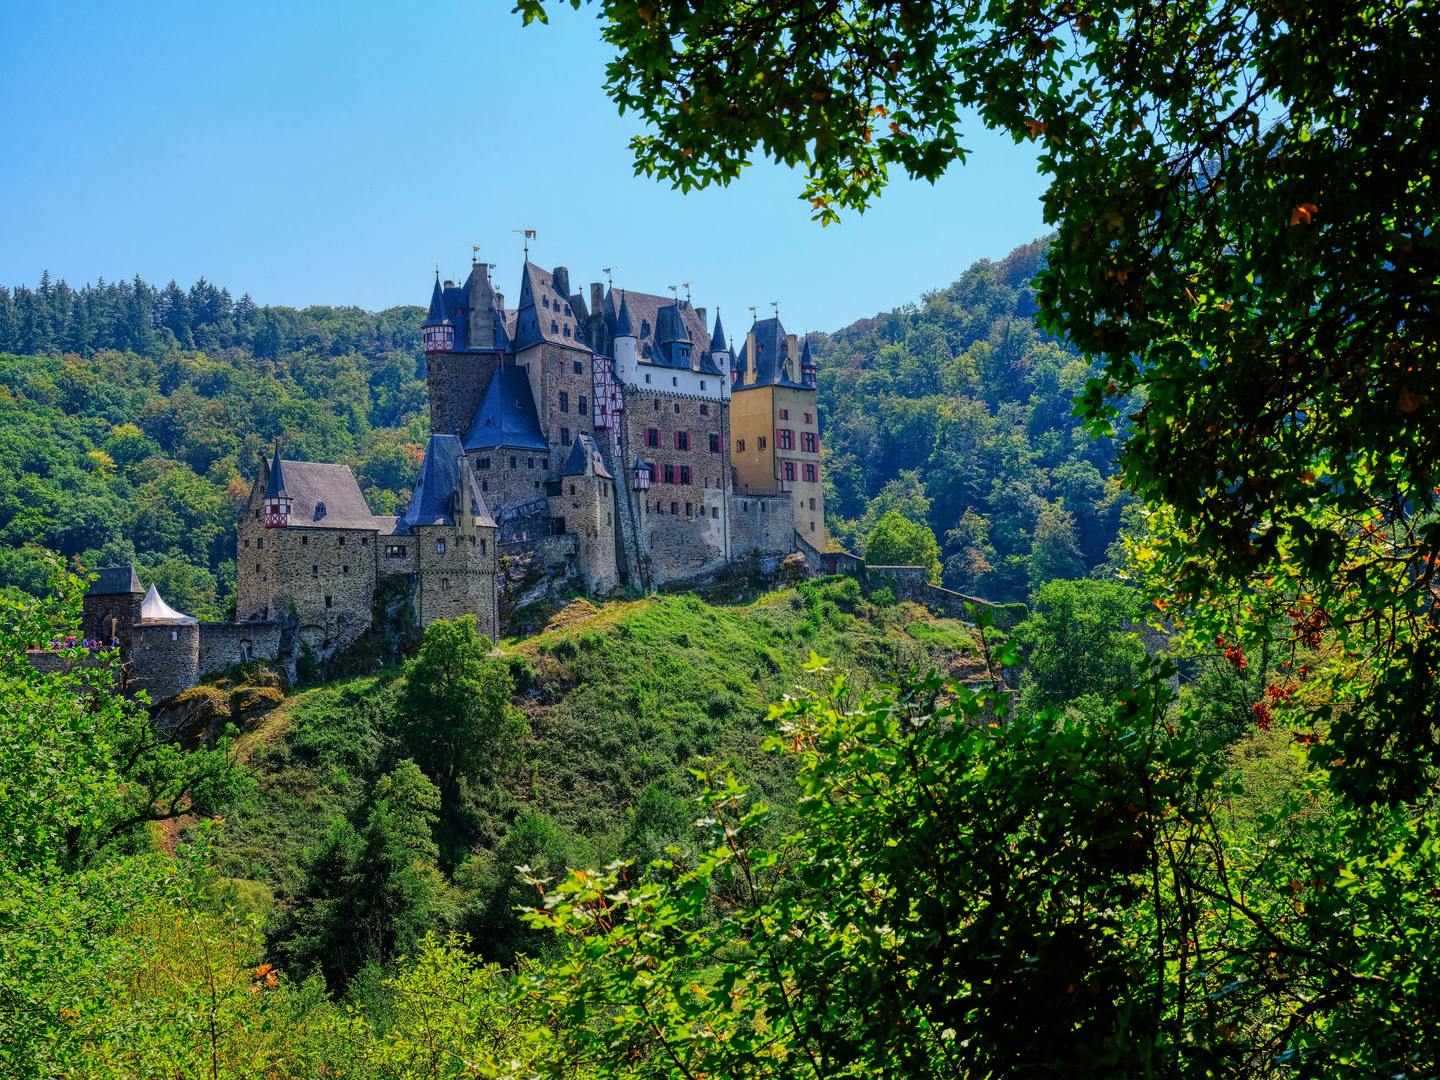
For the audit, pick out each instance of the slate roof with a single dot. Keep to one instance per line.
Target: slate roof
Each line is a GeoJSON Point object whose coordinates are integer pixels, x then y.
{"type": "Point", "coordinates": [325, 497]}
{"type": "Point", "coordinates": [645, 318]}
{"type": "Point", "coordinates": [717, 339]}
{"type": "Point", "coordinates": [436, 315]}
{"type": "Point", "coordinates": [545, 314]}
{"type": "Point", "coordinates": [275, 486]}
{"type": "Point", "coordinates": [451, 303]}
{"type": "Point", "coordinates": [584, 447]}
{"type": "Point", "coordinates": [507, 416]}
{"type": "Point", "coordinates": [115, 579]}
{"type": "Point", "coordinates": [385, 525]}
{"type": "Point", "coordinates": [770, 345]}
{"type": "Point", "coordinates": [436, 491]}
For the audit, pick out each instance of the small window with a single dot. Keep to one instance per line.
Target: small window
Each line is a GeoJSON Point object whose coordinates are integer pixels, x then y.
{"type": "Point", "coordinates": [674, 380]}
{"type": "Point", "coordinates": [789, 470]}
{"type": "Point", "coordinates": [512, 461]}
{"type": "Point", "coordinates": [564, 401]}
{"type": "Point", "coordinates": [704, 409]}
{"type": "Point", "coordinates": [344, 569]}
{"type": "Point", "coordinates": [714, 443]}
{"type": "Point", "coordinates": [646, 353]}
{"type": "Point", "coordinates": [784, 414]}
{"type": "Point", "coordinates": [259, 543]}
{"type": "Point", "coordinates": [257, 568]}
{"type": "Point", "coordinates": [677, 408]}
{"type": "Point", "coordinates": [314, 571]}
{"type": "Point", "coordinates": [567, 329]}
{"type": "Point", "coordinates": [342, 541]}
{"type": "Point", "coordinates": [702, 387]}
{"type": "Point", "coordinates": [174, 635]}
{"type": "Point", "coordinates": [760, 443]}
{"type": "Point", "coordinates": [484, 463]}
{"type": "Point", "coordinates": [482, 547]}
{"type": "Point", "coordinates": [572, 489]}
{"type": "Point", "coordinates": [444, 583]}
{"type": "Point", "coordinates": [647, 379]}
{"type": "Point", "coordinates": [810, 477]}
{"type": "Point", "coordinates": [564, 436]}
{"type": "Point", "coordinates": [484, 485]}
{"type": "Point", "coordinates": [809, 419]}
{"type": "Point", "coordinates": [364, 541]}
{"type": "Point", "coordinates": [669, 474]}
{"type": "Point", "coordinates": [674, 508]}
{"type": "Point", "coordinates": [812, 526]}
{"type": "Point", "coordinates": [395, 551]}
{"type": "Point", "coordinates": [545, 302]}
{"type": "Point", "coordinates": [689, 510]}
{"type": "Point", "coordinates": [257, 515]}
{"type": "Point", "coordinates": [247, 543]}
{"type": "Point", "coordinates": [581, 405]}
{"type": "Point", "coordinates": [530, 463]}
{"type": "Point", "coordinates": [714, 511]}
{"type": "Point", "coordinates": [644, 327]}
{"type": "Point", "coordinates": [740, 445]}
{"type": "Point", "coordinates": [657, 404]}
{"type": "Point", "coordinates": [812, 504]}
{"type": "Point", "coordinates": [684, 474]}
{"type": "Point", "coordinates": [439, 547]}
{"type": "Point", "coordinates": [304, 541]}
{"type": "Point", "coordinates": [578, 369]}
{"type": "Point", "coordinates": [682, 440]}
{"type": "Point", "coordinates": [329, 601]}
{"type": "Point", "coordinates": [652, 436]}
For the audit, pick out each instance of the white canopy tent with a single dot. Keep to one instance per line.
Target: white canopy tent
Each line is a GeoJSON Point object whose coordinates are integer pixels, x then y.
{"type": "Point", "coordinates": [154, 609]}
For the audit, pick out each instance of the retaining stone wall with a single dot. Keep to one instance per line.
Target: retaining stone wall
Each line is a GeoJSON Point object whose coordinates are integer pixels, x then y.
{"type": "Point", "coordinates": [228, 643]}
{"type": "Point", "coordinates": [763, 523]}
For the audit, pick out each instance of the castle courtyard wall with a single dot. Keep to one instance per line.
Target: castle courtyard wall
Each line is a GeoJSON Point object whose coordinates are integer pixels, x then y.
{"type": "Point", "coordinates": [224, 644]}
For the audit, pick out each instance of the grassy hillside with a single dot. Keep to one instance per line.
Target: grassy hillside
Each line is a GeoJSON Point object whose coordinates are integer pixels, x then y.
{"type": "Point", "coordinates": [619, 701]}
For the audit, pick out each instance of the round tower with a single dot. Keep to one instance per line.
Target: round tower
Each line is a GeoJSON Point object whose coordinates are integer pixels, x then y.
{"type": "Point", "coordinates": [439, 331]}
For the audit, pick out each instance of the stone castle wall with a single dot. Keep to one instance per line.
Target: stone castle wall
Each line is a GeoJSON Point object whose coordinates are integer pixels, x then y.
{"type": "Point", "coordinates": [457, 382]}
{"type": "Point", "coordinates": [552, 371]}
{"type": "Point", "coordinates": [458, 580]}
{"type": "Point", "coordinates": [225, 644]}
{"type": "Point", "coordinates": [164, 659]}
{"type": "Point", "coordinates": [325, 576]}
{"type": "Point", "coordinates": [513, 477]}
{"type": "Point", "coordinates": [763, 523]}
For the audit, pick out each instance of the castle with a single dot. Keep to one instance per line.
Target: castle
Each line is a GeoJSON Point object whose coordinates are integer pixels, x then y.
{"type": "Point", "coordinates": [621, 441]}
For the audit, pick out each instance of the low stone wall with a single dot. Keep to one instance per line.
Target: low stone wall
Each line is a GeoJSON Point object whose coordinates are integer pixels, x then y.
{"type": "Point", "coordinates": [51, 662]}
{"type": "Point", "coordinates": [763, 523]}
{"type": "Point", "coordinates": [912, 583]}
{"type": "Point", "coordinates": [225, 644]}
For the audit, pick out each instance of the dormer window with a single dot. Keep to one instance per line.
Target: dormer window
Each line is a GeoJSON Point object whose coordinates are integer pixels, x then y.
{"type": "Point", "coordinates": [645, 351]}
{"type": "Point", "coordinates": [553, 328]}
{"type": "Point", "coordinates": [645, 328]}
{"type": "Point", "coordinates": [567, 329]}
{"type": "Point", "coordinates": [545, 301]}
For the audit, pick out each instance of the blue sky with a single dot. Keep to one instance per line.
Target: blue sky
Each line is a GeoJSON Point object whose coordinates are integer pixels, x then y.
{"type": "Point", "coordinates": [335, 152]}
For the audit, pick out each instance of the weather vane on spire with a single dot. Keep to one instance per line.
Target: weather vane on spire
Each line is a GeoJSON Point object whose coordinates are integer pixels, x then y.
{"type": "Point", "coordinates": [529, 235]}
{"type": "Point", "coordinates": [607, 271]}
{"type": "Point", "coordinates": [687, 285]}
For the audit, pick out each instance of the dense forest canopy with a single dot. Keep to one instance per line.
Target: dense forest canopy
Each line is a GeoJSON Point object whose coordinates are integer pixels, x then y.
{"type": "Point", "coordinates": [132, 418]}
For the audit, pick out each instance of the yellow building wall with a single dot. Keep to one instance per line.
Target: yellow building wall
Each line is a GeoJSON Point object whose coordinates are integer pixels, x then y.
{"type": "Point", "coordinates": [752, 413]}
{"type": "Point", "coordinates": [755, 414]}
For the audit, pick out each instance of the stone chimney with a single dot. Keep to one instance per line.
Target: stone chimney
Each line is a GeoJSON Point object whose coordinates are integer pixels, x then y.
{"type": "Point", "coordinates": [597, 319]}
{"type": "Point", "coordinates": [751, 360]}
{"type": "Point", "coordinates": [561, 277]}
{"type": "Point", "coordinates": [792, 357]}
{"type": "Point", "coordinates": [703, 321]}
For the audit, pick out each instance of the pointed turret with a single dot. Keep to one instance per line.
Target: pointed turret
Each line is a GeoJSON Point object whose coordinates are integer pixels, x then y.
{"type": "Point", "coordinates": [717, 339]}
{"type": "Point", "coordinates": [439, 331]}
{"type": "Point", "coordinates": [807, 364]}
{"type": "Point", "coordinates": [277, 499]}
{"type": "Point", "coordinates": [622, 322]}
{"type": "Point", "coordinates": [626, 345]}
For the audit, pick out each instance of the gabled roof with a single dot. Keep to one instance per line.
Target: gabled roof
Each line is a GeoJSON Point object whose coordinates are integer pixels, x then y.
{"type": "Point", "coordinates": [115, 579]}
{"type": "Point", "coordinates": [436, 494]}
{"type": "Point", "coordinates": [323, 496]}
{"type": "Point", "coordinates": [585, 458]}
{"type": "Point", "coordinates": [645, 319]}
{"type": "Point", "coordinates": [507, 416]}
{"type": "Point", "coordinates": [771, 343]}
{"type": "Point", "coordinates": [717, 339]}
{"type": "Point", "coordinates": [537, 322]}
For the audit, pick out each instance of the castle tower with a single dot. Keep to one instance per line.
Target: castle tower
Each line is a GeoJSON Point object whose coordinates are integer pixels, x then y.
{"type": "Point", "coordinates": [626, 344]}
{"type": "Point", "coordinates": [277, 499]}
{"type": "Point", "coordinates": [587, 503]}
{"type": "Point", "coordinates": [438, 330]}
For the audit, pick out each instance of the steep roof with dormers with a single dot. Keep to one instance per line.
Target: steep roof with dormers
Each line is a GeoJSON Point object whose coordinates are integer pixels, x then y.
{"type": "Point", "coordinates": [645, 310]}
{"type": "Point", "coordinates": [507, 414]}
{"type": "Point", "coordinates": [437, 490]}
{"type": "Point", "coordinates": [771, 347]}
{"type": "Point", "coordinates": [545, 314]}
{"type": "Point", "coordinates": [322, 496]}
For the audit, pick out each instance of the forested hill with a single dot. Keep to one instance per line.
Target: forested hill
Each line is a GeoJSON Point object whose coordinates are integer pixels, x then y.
{"type": "Point", "coordinates": [131, 419]}
{"type": "Point", "coordinates": [957, 413]}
